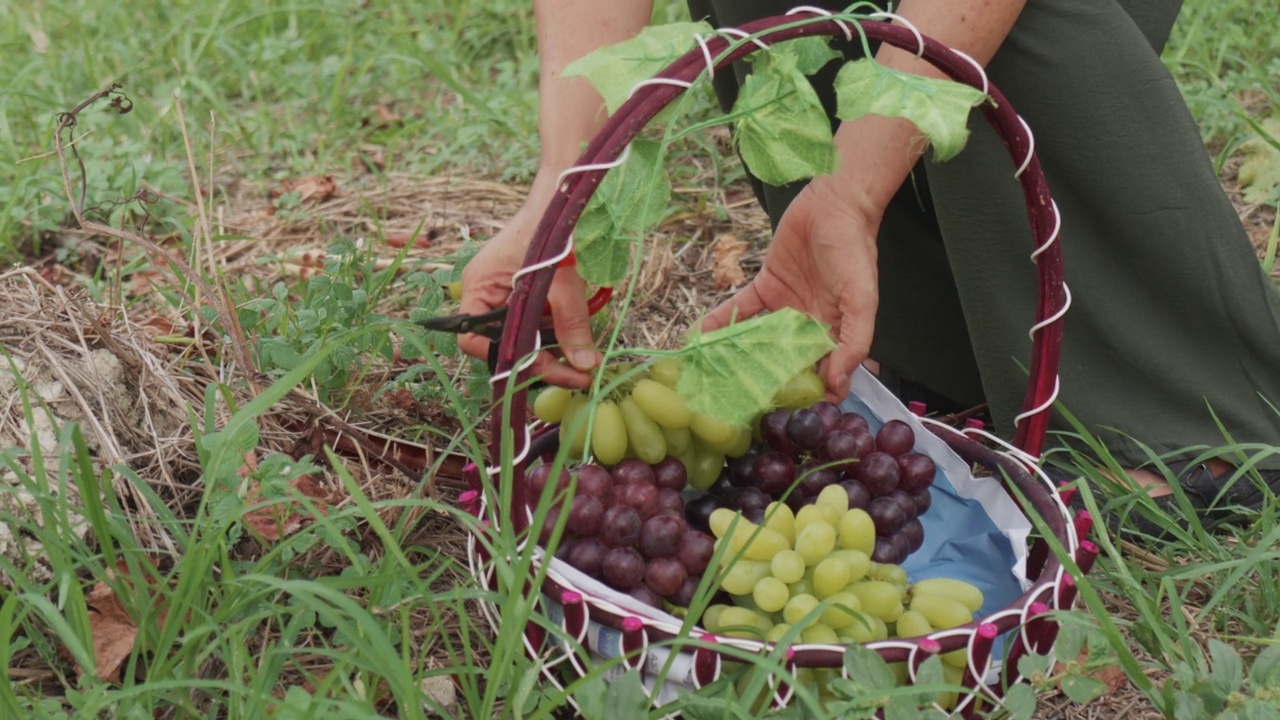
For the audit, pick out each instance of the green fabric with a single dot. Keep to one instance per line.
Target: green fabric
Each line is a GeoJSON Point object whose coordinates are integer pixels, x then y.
{"type": "Point", "coordinates": [1172, 316]}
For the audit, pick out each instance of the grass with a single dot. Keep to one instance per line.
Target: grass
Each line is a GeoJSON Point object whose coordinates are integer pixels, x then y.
{"type": "Point", "coordinates": [354, 613]}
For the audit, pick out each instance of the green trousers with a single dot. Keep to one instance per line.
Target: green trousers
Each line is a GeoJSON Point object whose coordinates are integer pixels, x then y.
{"type": "Point", "coordinates": [1174, 328]}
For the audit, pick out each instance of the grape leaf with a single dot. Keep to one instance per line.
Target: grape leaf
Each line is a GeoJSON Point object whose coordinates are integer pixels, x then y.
{"type": "Point", "coordinates": [734, 372]}
{"type": "Point", "coordinates": [939, 108]}
{"type": "Point", "coordinates": [630, 201]}
{"type": "Point", "coordinates": [1259, 174]}
{"type": "Point", "coordinates": [615, 70]}
{"type": "Point", "coordinates": [783, 133]}
{"type": "Point", "coordinates": [810, 54]}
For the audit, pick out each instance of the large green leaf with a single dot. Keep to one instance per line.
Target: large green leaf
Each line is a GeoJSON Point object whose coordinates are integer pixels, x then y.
{"type": "Point", "coordinates": [783, 132]}
{"type": "Point", "coordinates": [940, 108]}
{"type": "Point", "coordinates": [616, 69]}
{"type": "Point", "coordinates": [733, 373]}
{"type": "Point", "coordinates": [631, 201]}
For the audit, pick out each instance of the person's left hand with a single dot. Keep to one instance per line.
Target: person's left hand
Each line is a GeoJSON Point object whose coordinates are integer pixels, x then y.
{"type": "Point", "coordinates": [822, 262]}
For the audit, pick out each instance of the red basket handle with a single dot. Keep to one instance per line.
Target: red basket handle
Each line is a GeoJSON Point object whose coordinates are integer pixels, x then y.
{"type": "Point", "coordinates": [552, 236]}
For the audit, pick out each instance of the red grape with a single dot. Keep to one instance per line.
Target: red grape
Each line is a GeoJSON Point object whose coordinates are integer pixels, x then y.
{"type": "Point", "coordinates": [670, 473]}
{"type": "Point", "coordinates": [631, 470]}
{"type": "Point", "coordinates": [641, 495]}
{"type": "Point", "coordinates": [746, 499]}
{"type": "Point", "coordinates": [886, 552]}
{"type": "Point", "coordinates": [853, 423]}
{"type": "Point", "coordinates": [564, 548]}
{"type": "Point", "coordinates": [723, 485]}
{"type": "Point", "coordinates": [623, 568]}
{"type": "Point", "coordinates": [839, 449]}
{"type": "Point", "coordinates": [549, 525]}
{"type": "Point", "coordinates": [773, 472]}
{"type": "Point", "coordinates": [908, 503]}
{"type": "Point", "coordinates": [585, 514]}
{"type": "Point", "coordinates": [913, 531]}
{"type": "Point", "coordinates": [895, 437]}
{"type": "Point", "coordinates": [915, 471]}
{"type": "Point", "coordinates": [805, 429]}
{"type": "Point", "coordinates": [858, 495]}
{"type": "Point", "coordinates": [886, 514]}
{"type": "Point", "coordinates": [670, 501]}
{"type": "Point", "coordinates": [695, 551]}
{"type": "Point", "coordinates": [660, 535]}
{"type": "Point", "coordinates": [741, 469]}
{"type": "Point", "coordinates": [620, 526]}
{"type": "Point", "coordinates": [665, 576]}
{"type": "Point", "coordinates": [595, 481]}
{"type": "Point", "coordinates": [924, 500]}
{"type": "Point", "coordinates": [684, 596]}
{"type": "Point", "coordinates": [697, 512]}
{"type": "Point", "coordinates": [879, 472]}
{"type": "Point", "coordinates": [828, 412]}
{"type": "Point", "coordinates": [754, 514]}
{"type": "Point", "coordinates": [812, 482]}
{"type": "Point", "coordinates": [642, 593]}
{"type": "Point", "coordinates": [588, 554]}
{"type": "Point", "coordinates": [773, 430]}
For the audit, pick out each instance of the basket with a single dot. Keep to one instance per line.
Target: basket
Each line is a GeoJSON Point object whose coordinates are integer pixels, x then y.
{"type": "Point", "coordinates": [605, 627]}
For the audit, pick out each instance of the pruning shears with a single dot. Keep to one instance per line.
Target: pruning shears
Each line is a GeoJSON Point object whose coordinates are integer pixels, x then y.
{"type": "Point", "coordinates": [490, 324]}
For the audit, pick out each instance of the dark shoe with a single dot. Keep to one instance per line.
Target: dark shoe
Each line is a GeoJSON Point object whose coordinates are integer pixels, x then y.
{"type": "Point", "coordinates": [1215, 503]}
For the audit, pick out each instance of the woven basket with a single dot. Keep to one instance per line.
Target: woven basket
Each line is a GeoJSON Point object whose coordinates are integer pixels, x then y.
{"type": "Point", "coordinates": [601, 621]}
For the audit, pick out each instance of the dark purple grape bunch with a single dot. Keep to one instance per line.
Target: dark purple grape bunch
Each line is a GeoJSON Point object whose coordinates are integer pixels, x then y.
{"type": "Point", "coordinates": [806, 450]}
{"type": "Point", "coordinates": [627, 528]}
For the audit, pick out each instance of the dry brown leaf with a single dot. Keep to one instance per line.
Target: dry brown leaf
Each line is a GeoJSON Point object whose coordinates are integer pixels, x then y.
{"type": "Point", "coordinates": [1112, 676]}
{"type": "Point", "coordinates": [113, 632]}
{"type": "Point", "coordinates": [727, 269]}
{"type": "Point", "coordinates": [311, 190]}
{"type": "Point", "coordinates": [282, 519]}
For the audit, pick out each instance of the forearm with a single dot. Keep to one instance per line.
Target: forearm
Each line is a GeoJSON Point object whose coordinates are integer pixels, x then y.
{"type": "Point", "coordinates": [877, 153]}
{"type": "Point", "coordinates": [569, 109]}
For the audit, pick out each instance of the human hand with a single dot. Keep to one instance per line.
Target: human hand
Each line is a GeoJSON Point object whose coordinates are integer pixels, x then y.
{"type": "Point", "coordinates": [486, 284]}
{"type": "Point", "coordinates": [822, 261]}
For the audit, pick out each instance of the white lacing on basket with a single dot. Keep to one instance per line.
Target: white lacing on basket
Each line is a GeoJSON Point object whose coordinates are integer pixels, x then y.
{"type": "Point", "coordinates": [894, 17]}
{"type": "Point", "coordinates": [848, 31]}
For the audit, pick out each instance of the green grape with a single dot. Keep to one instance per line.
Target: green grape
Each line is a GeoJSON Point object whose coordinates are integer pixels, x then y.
{"type": "Point", "coordinates": [942, 612]}
{"type": "Point", "coordinates": [746, 601]}
{"type": "Point", "coordinates": [819, 633]}
{"type": "Point", "coordinates": [803, 586]}
{"type": "Point", "coordinates": [679, 442]}
{"type": "Point", "coordinates": [808, 515]}
{"type": "Point", "coordinates": [742, 576]}
{"type": "Point", "coordinates": [863, 628]}
{"type": "Point", "coordinates": [721, 519]}
{"type": "Point", "coordinates": [833, 501]}
{"type": "Point", "coordinates": [800, 391]}
{"type": "Point", "coordinates": [642, 432]}
{"type": "Point", "coordinates": [912, 624]}
{"type": "Point", "coordinates": [798, 608]}
{"type": "Point", "coordinates": [573, 426]}
{"type": "Point", "coordinates": [770, 594]}
{"type": "Point", "coordinates": [843, 610]}
{"type": "Point", "coordinates": [858, 562]}
{"type": "Point", "coordinates": [901, 675]}
{"type": "Point", "coordinates": [857, 531]}
{"type": "Point", "coordinates": [967, 594]}
{"type": "Point", "coordinates": [888, 572]}
{"type": "Point", "coordinates": [713, 432]}
{"type": "Point", "coordinates": [609, 436]}
{"type": "Point", "coordinates": [779, 518]}
{"type": "Point", "coordinates": [753, 541]}
{"type": "Point", "coordinates": [666, 372]}
{"type": "Point", "coordinates": [879, 598]}
{"type": "Point", "coordinates": [880, 630]}
{"type": "Point", "coordinates": [742, 622]}
{"type": "Point", "coordinates": [707, 464]}
{"type": "Point", "coordinates": [551, 403]}
{"type": "Point", "coordinates": [787, 566]}
{"type": "Point", "coordinates": [815, 542]}
{"type": "Point", "coordinates": [951, 675]}
{"type": "Point", "coordinates": [661, 403]}
{"type": "Point", "coordinates": [710, 616]}
{"type": "Point", "coordinates": [741, 443]}
{"type": "Point", "coordinates": [830, 576]}
{"type": "Point", "coordinates": [777, 632]}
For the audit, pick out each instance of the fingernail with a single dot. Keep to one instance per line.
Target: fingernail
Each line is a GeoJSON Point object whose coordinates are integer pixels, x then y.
{"type": "Point", "coordinates": [584, 359]}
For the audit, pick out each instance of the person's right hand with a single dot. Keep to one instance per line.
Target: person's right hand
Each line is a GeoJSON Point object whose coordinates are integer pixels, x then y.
{"type": "Point", "coordinates": [486, 284]}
